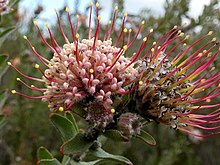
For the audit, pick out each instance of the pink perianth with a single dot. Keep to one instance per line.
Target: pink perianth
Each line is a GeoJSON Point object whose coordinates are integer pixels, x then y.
{"type": "Point", "coordinates": [43, 39]}
{"type": "Point", "coordinates": [61, 29]}
{"type": "Point", "coordinates": [113, 23]}
{"type": "Point", "coordinates": [31, 97]}
{"type": "Point", "coordinates": [71, 26]}
{"type": "Point", "coordinates": [41, 58]}
{"type": "Point", "coordinates": [90, 21]}
{"type": "Point", "coordinates": [32, 88]}
{"type": "Point", "coordinates": [24, 75]}
{"type": "Point", "coordinates": [54, 43]}
{"type": "Point", "coordinates": [198, 135]}
{"type": "Point", "coordinates": [122, 29]}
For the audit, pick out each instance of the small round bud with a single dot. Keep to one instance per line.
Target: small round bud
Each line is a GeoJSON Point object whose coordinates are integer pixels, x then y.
{"type": "Point", "coordinates": [129, 124]}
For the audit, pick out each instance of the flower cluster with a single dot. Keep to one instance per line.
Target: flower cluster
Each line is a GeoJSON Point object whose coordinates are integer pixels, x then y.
{"type": "Point", "coordinates": [171, 95]}
{"type": "Point", "coordinates": [162, 86]}
{"type": "Point", "coordinates": [85, 70]}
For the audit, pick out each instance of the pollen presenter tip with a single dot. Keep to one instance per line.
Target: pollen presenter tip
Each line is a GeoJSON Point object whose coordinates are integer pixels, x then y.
{"type": "Point", "coordinates": [61, 109]}
{"type": "Point", "coordinates": [13, 92]}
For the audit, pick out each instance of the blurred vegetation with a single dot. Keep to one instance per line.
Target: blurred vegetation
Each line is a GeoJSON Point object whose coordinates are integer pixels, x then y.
{"type": "Point", "coordinates": [27, 124]}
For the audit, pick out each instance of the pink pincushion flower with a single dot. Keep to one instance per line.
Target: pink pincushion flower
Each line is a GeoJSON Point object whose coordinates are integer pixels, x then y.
{"type": "Point", "coordinates": [75, 74]}
{"type": "Point", "coordinates": [90, 68]}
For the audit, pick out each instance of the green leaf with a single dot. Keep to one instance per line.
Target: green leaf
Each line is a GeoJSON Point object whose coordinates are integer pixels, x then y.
{"type": "Point", "coordinates": [115, 135]}
{"type": "Point", "coordinates": [64, 126]}
{"type": "Point", "coordinates": [144, 122]}
{"type": "Point", "coordinates": [43, 153]}
{"type": "Point", "coordinates": [46, 158]}
{"type": "Point", "coordinates": [3, 98]}
{"type": "Point", "coordinates": [96, 162]}
{"type": "Point", "coordinates": [70, 116]}
{"type": "Point", "coordinates": [4, 34]}
{"type": "Point", "coordinates": [66, 160]}
{"type": "Point", "coordinates": [49, 162]}
{"type": "Point", "coordinates": [6, 31]}
{"type": "Point", "coordinates": [2, 120]}
{"type": "Point", "coordinates": [3, 68]}
{"type": "Point", "coordinates": [3, 71]}
{"type": "Point", "coordinates": [77, 145]}
{"type": "Point", "coordinates": [3, 59]}
{"type": "Point", "coordinates": [146, 137]}
{"type": "Point", "coordinates": [1, 117]}
{"type": "Point", "coordinates": [100, 153]}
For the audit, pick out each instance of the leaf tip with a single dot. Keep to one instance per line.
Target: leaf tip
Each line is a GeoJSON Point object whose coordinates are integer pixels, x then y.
{"type": "Point", "coordinates": [41, 148]}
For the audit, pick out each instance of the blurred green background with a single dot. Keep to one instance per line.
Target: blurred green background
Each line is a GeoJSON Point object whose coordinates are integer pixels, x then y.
{"type": "Point", "coordinates": [27, 125]}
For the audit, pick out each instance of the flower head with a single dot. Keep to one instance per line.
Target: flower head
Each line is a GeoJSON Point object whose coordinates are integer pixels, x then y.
{"type": "Point", "coordinates": [90, 68]}
{"type": "Point", "coordinates": [175, 88]}
{"type": "Point", "coordinates": [84, 70]}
